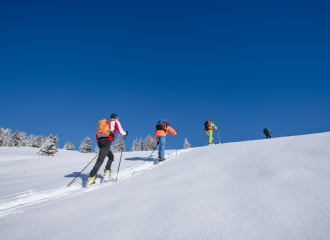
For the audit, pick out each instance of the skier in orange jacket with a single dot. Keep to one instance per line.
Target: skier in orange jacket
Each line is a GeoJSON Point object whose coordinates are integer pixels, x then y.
{"type": "Point", "coordinates": [162, 128]}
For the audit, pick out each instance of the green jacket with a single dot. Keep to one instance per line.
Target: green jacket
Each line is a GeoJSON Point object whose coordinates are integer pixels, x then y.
{"type": "Point", "coordinates": [212, 126]}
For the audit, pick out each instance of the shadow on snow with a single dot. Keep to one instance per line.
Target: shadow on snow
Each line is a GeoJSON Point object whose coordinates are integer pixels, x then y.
{"type": "Point", "coordinates": [140, 159]}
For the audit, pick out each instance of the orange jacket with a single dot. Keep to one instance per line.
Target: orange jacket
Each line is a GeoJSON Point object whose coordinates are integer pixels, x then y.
{"type": "Point", "coordinates": [163, 133]}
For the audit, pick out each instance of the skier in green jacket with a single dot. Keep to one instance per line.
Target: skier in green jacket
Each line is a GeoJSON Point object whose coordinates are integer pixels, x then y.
{"type": "Point", "coordinates": [208, 127]}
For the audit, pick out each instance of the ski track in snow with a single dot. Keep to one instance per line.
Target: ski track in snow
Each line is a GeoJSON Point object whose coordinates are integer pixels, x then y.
{"type": "Point", "coordinates": [16, 203]}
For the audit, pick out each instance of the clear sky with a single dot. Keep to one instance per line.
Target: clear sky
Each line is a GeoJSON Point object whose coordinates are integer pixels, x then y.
{"type": "Point", "coordinates": [246, 65]}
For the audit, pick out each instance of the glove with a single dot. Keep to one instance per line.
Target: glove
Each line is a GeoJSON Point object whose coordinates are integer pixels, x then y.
{"type": "Point", "coordinates": [176, 132]}
{"type": "Point", "coordinates": [126, 133]}
{"type": "Point", "coordinates": [157, 143]}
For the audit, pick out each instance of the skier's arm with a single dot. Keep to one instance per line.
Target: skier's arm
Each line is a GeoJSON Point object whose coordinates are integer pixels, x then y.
{"type": "Point", "coordinates": [171, 130]}
{"type": "Point", "coordinates": [120, 129]}
{"type": "Point", "coordinates": [213, 126]}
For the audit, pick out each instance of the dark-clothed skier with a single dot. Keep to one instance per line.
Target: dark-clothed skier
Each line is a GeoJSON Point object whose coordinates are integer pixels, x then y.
{"type": "Point", "coordinates": [267, 133]}
{"type": "Point", "coordinates": [105, 135]}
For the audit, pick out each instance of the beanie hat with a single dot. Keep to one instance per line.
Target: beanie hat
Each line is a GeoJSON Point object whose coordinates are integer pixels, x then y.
{"type": "Point", "coordinates": [114, 116]}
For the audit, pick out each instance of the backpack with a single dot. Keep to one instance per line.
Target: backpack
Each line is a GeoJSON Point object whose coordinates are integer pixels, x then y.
{"type": "Point", "coordinates": [207, 125]}
{"type": "Point", "coordinates": [161, 125]}
{"type": "Point", "coordinates": [103, 129]}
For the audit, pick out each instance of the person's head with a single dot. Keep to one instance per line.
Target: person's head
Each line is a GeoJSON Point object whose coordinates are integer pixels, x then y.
{"type": "Point", "coordinates": [114, 116]}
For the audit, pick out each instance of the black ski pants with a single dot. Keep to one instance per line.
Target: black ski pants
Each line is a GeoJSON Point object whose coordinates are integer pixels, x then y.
{"type": "Point", "coordinates": [104, 145]}
{"type": "Point", "coordinates": [268, 135]}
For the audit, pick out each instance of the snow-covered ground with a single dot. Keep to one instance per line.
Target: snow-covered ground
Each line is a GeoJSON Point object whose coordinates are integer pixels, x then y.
{"type": "Point", "coordinates": [265, 189]}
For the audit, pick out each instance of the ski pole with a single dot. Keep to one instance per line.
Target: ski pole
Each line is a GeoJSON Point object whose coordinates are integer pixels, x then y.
{"type": "Point", "coordinates": [151, 153]}
{"type": "Point", "coordinates": [121, 156]}
{"type": "Point", "coordinates": [82, 170]}
{"type": "Point", "coordinates": [218, 136]}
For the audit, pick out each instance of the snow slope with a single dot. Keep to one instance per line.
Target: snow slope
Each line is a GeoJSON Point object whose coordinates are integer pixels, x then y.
{"type": "Point", "coordinates": [264, 189]}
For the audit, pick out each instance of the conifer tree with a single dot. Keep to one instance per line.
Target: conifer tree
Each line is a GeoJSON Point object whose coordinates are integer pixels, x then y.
{"type": "Point", "coordinates": [22, 137]}
{"type": "Point", "coordinates": [112, 149]}
{"type": "Point", "coordinates": [140, 145]}
{"type": "Point", "coordinates": [149, 144]}
{"type": "Point", "coordinates": [7, 141]}
{"type": "Point", "coordinates": [153, 143]}
{"type": "Point", "coordinates": [38, 141]}
{"type": "Point", "coordinates": [71, 146]}
{"type": "Point", "coordinates": [30, 141]}
{"type": "Point", "coordinates": [67, 146]}
{"type": "Point", "coordinates": [86, 146]}
{"type": "Point", "coordinates": [49, 147]}
{"type": "Point", "coordinates": [186, 144]}
{"type": "Point", "coordinates": [97, 149]}
{"type": "Point", "coordinates": [1, 136]}
{"type": "Point", "coordinates": [134, 145]}
{"type": "Point", "coordinates": [56, 142]}
{"type": "Point", "coordinates": [15, 139]}
{"type": "Point", "coordinates": [119, 145]}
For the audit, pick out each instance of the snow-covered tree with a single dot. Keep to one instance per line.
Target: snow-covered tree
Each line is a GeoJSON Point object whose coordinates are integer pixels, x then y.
{"type": "Point", "coordinates": [140, 145]}
{"type": "Point", "coordinates": [97, 149]}
{"type": "Point", "coordinates": [112, 149]}
{"type": "Point", "coordinates": [134, 145]}
{"type": "Point", "coordinates": [119, 144]}
{"type": "Point", "coordinates": [30, 141]}
{"type": "Point", "coordinates": [1, 136]}
{"type": "Point", "coordinates": [149, 144]}
{"type": "Point", "coordinates": [153, 143]}
{"type": "Point", "coordinates": [7, 141]}
{"type": "Point", "coordinates": [22, 137]}
{"type": "Point", "coordinates": [15, 139]}
{"type": "Point", "coordinates": [67, 145]}
{"type": "Point", "coordinates": [86, 146]}
{"type": "Point", "coordinates": [38, 141]}
{"type": "Point", "coordinates": [56, 142]}
{"type": "Point", "coordinates": [49, 147]}
{"type": "Point", "coordinates": [186, 144]}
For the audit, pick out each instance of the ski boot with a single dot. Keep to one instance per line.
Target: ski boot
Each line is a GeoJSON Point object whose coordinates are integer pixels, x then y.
{"type": "Point", "coordinates": [107, 176]}
{"type": "Point", "coordinates": [90, 181]}
{"type": "Point", "coordinates": [160, 159]}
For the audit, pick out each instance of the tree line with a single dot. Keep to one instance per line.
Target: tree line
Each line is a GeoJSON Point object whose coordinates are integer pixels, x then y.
{"type": "Point", "coordinates": [49, 145]}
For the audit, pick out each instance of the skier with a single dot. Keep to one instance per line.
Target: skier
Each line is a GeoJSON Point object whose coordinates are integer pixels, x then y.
{"type": "Point", "coordinates": [267, 133]}
{"type": "Point", "coordinates": [162, 128]}
{"type": "Point", "coordinates": [208, 127]}
{"type": "Point", "coordinates": [105, 135]}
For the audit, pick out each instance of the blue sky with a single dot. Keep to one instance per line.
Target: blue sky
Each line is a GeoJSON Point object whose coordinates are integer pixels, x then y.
{"type": "Point", "coordinates": [244, 64]}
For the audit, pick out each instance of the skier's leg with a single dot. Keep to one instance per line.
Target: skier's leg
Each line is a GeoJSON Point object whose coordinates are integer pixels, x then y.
{"type": "Point", "coordinates": [161, 141]}
{"type": "Point", "coordinates": [104, 150]}
{"type": "Point", "coordinates": [209, 133]}
{"type": "Point", "coordinates": [111, 158]}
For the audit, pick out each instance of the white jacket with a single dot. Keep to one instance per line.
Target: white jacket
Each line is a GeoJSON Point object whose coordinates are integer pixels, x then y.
{"type": "Point", "coordinates": [115, 125]}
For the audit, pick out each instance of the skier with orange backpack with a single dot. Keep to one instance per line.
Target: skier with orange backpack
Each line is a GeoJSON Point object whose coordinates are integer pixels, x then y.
{"type": "Point", "coordinates": [106, 131]}
{"type": "Point", "coordinates": [162, 128]}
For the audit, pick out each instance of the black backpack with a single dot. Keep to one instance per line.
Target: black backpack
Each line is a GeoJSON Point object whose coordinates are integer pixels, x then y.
{"type": "Point", "coordinates": [207, 125]}
{"type": "Point", "coordinates": [161, 125]}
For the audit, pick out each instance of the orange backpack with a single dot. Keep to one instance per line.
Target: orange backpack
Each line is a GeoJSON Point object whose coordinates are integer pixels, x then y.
{"type": "Point", "coordinates": [103, 129]}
